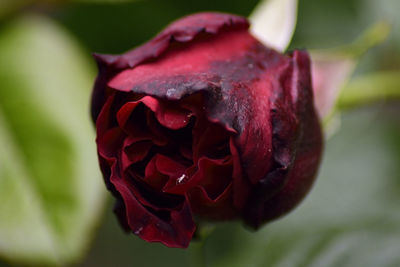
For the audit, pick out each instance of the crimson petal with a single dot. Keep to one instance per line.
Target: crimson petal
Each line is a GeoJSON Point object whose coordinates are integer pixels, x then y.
{"type": "Point", "coordinates": [149, 223]}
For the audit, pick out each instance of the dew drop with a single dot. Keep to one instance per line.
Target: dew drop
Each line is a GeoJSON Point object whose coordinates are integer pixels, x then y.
{"type": "Point", "coordinates": [181, 179]}
{"type": "Point", "coordinates": [170, 92]}
{"type": "Point", "coordinates": [138, 230]}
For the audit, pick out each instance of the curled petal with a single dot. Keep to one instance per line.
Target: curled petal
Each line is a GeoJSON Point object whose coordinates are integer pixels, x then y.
{"type": "Point", "coordinates": [135, 152]}
{"type": "Point", "coordinates": [153, 176]}
{"type": "Point", "coordinates": [214, 175]}
{"type": "Point", "coordinates": [170, 223]}
{"type": "Point", "coordinates": [219, 209]}
{"type": "Point", "coordinates": [295, 129]}
{"type": "Point", "coordinates": [110, 142]}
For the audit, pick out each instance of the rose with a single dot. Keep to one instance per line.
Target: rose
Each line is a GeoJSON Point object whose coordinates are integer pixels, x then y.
{"type": "Point", "coordinates": [204, 122]}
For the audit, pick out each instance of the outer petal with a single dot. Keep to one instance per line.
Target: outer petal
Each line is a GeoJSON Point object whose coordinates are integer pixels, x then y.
{"type": "Point", "coordinates": [297, 146]}
{"type": "Point", "coordinates": [181, 31]}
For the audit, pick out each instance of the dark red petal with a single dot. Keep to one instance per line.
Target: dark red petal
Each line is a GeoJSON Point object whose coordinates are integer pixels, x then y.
{"type": "Point", "coordinates": [184, 70]}
{"type": "Point", "coordinates": [210, 140]}
{"type": "Point", "coordinates": [131, 118]}
{"type": "Point", "coordinates": [300, 178]}
{"type": "Point", "coordinates": [154, 177]}
{"type": "Point", "coordinates": [214, 175]}
{"type": "Point", "coordinates": [169, 115]}
{"type": "Point", "coordinates": [99, 94]}
{"type": "Point", "coordinates": [104, 120]}
{"type": "Point", "coordinates": [125, 112]}
{"type": "Point", "coordinates": [255, 143]}
{"type": "Point", "coordinates": [297, 146]}
{"type": "Point", "coordinates": [241, 185]}
{"type": "Point", "coordinates": [169, 166]}
{"type": "Point", "coordinates": [109, 144]}
{"type": "Point", "coordinates": [218, 209]}
{"type": "Point", "coordinates": [174, 231]}
{"type": "Point", "coordinates": [208, 187]}
{"type": "Point", "coordinates": [181, 31]}
{"type": "Point", "coordinates": [135, 152]}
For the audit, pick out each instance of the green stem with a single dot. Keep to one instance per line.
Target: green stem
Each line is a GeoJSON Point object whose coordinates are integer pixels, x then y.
{"type": "Point", "coordinates": [367, 89]}
{"type": "Point", "coordinates": [198, 255]}
{"type": "Point", "coordinates": [197, 247]}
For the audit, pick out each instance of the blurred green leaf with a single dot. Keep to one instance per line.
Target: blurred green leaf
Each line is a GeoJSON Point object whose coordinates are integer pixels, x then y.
{"type": "Point", "coordinates": [51, 193]}
{"type": "Point", "coordinates": [10, 6]}
{"type": "Point", "coordinates": [105, 1]}
{"type": "Point", "coordinates": [274, 21]}
{"type": "Point", "coordinates": [7, 6]}
{"type": "Point", "coordinates": [371, 37]}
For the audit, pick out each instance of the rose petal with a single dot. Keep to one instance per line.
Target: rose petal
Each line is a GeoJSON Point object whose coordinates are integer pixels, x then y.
{"type": "Point", "coordinates": [131, 118]}
{"type": "Point", "coordinates": [168, 166]}
{"type": "Point", "coordinates": [219, 209]}
{"type": "Point", "coordinates": [211, 140]}
{"type": "Point", "coordinates": [241, 186]}
{"type": "Point", "coordinates": [294, 110]}
{"type": "Point", "coordinates": [154, 177]}
{"type": "Point", "coordinates": [214, 175]}
{"type": "Point", "coordinates": [135, 152]}
{"type": "Point", "coordinates": [169, 115]}
{"type": "Point", "coordinates": [184, 30]}
{"type": "Point", "coordinates": [151, 225]}
{"type": "Point", "coordinates": [180, 71]}
{"type": "Point", "coordinates": [109, 144]}
{"type": "Point", "coordinates": [104, 119]}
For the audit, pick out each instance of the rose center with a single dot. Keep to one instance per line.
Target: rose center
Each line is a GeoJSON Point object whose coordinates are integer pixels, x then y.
{"type": "Point", "coordinates": [173, 147]}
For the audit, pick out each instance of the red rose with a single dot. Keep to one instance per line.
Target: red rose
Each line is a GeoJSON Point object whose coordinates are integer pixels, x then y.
{"type": "Point", "coordinates": [204, 122]}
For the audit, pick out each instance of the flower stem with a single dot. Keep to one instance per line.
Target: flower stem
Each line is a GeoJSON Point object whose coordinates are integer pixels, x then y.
{"type": "Point", "coordinates": [197, 247]}
{"type": "Point", "coordinates": [198, 255]}
{"type": "Point", "coordinates": [370, 88]}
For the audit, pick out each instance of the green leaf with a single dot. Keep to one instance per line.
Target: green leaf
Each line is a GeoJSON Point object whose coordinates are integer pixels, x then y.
{"type": "Point", "coordinates": [274, 22]}
{"type": "Point", "coordinates": [51, 193]}
{"type": "Point", "coordinates": [9, 6]}
{"type": "Point", "coordinates": [105, 1]}
{"type": "Point", "coordinates": [371, 37]}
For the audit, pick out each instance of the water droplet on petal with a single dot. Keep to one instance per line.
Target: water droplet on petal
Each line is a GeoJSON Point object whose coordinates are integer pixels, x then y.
{"type": "Point", "coordinates": [170, 92]}
{"type": "Point", "coordinates": [181, 179]}
{"type": "Point", "coordinates": [138, 230]}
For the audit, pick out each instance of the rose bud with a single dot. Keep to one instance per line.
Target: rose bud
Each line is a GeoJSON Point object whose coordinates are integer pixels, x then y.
{"type": "Point", "coordinates": [204, 122]}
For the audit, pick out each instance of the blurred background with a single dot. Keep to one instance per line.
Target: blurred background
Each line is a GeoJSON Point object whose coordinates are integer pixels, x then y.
{"type": "Point", "coordinates": [53, 206]}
